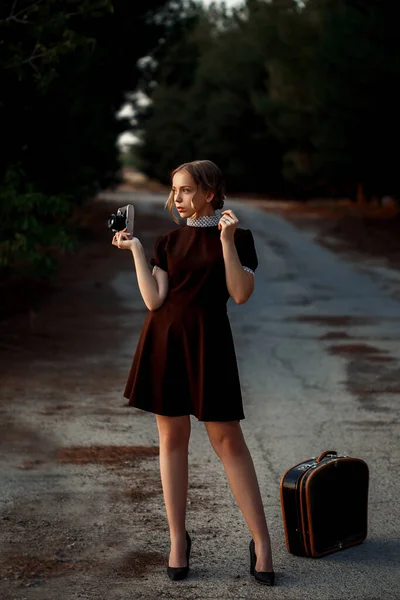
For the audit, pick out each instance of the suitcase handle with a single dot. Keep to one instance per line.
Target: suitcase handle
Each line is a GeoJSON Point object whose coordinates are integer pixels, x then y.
{"type": "Point", "coordinates": [326, 453]}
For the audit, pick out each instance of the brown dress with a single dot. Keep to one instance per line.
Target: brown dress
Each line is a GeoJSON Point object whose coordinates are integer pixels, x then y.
{"type": "Point", "coordinates": [185, 361]}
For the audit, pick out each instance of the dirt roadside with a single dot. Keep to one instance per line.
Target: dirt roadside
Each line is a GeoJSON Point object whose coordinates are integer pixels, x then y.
{"type": "Point", "coordinates": [357, 231]}
{"type": "Point", "coordinates": [56, 495]}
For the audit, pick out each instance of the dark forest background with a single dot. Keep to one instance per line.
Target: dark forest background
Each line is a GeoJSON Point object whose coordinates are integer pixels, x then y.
{"type": "Point", "coordinates": [290, 99]}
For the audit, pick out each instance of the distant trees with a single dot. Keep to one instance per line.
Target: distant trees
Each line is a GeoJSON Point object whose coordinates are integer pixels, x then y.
{"type": "Point", "coordinates": [287, 97]}
{"type": "Point", "coordinates": [65, 68]}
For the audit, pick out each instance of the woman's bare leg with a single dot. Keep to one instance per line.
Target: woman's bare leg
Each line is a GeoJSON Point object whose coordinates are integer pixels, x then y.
{"type": "Point", "coordinates": [174, 434]}
{"type": "Point", "coordinates": [228, 442]}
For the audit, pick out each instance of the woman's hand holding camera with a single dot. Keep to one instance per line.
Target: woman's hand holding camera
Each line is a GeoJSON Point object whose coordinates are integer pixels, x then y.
{"type": "Point", "coordinates": [123, 240]}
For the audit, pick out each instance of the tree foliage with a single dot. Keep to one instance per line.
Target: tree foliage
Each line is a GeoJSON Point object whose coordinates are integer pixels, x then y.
{"type": "Point", "coordinates": [66, 67]}
{"type": "Point", "coordinates": [357, 97]}
{"type": "Point", "coordinates": [287, 97]}
{"type": "Point", "coordinates": [284, 96]}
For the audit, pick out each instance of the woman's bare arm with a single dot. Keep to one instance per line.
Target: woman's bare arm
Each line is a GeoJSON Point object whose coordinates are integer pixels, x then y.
{"type": "Point", "coordinates": [152, 286]}
{"type": "Point", "coordinates": [240, 284]}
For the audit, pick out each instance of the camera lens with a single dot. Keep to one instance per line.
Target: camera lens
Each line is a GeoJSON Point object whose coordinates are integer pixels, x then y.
{"type": "Point", "coordinates": [111, 221]}
{"type": "Point", "coordinates": [116, 222]}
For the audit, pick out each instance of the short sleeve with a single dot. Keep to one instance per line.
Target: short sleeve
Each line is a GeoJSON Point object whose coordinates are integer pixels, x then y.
{"type": "Point", "coordinates": [246, 250]}
{"type": "Point", "coordinates": [160, 256]}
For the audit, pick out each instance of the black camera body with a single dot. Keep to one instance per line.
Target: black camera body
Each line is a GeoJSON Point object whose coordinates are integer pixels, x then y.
{"type": "Point", "coordinates": [122, 219]}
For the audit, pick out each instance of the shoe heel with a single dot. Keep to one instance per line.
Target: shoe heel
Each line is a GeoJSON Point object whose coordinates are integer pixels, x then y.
{"type": "Point", "coordinates": [265, 577]}
{"type": "Point", "coordinates": [179, 573]}
{"type": "Point", "coordinates": [188, 548]}
{"type": "Point", "coordinates": [252, 557]}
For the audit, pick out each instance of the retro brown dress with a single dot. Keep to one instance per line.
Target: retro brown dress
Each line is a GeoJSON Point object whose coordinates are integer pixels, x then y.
{"type": "Point", "coordinates": [185, 361]}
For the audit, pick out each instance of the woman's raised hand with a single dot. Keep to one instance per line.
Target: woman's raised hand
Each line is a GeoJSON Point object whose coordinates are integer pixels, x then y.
{"type": "Point", "coordinates": [122, 240]}
{"type": "Point", "coordinates": [228, 224]}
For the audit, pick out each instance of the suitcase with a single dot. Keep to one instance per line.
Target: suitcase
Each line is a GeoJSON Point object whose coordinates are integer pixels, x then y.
{"type": "Point", "coordinates": [324, 504]}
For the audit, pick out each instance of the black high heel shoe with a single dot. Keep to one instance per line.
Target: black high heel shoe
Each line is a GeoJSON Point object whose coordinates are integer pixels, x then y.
{"type": "Point", "coordinates": [266, 577]}
{"type": "Point", "coordinates": [177, 573]}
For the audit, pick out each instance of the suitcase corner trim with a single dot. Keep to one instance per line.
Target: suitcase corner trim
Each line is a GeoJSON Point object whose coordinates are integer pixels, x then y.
{"type": "Point", "coordinates": [284, 518]}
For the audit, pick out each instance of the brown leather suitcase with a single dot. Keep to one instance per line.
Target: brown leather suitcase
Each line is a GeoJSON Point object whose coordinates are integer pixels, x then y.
{"type": "Point", "coordinates": [324, 504]}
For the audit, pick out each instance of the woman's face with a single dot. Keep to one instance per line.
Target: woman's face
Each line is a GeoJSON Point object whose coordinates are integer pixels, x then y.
{"type": "Point", "coordinates": [186, 192]}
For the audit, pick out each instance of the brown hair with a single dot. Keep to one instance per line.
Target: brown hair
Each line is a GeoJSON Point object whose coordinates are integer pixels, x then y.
{"type": "Point", "coordinates": [205, 174]}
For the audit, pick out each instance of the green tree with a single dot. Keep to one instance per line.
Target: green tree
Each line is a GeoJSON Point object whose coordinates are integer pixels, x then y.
{"type": "Point", "coordinates": [66, 67]}
{"type": "Point", "coordinates": [286, 39]}
{"type": "Point", "coordinates": [204, 106]}
{"type": "Point", "coordinates": [358, 83]}
{"type": "Point", "coordinates": [284, 96]}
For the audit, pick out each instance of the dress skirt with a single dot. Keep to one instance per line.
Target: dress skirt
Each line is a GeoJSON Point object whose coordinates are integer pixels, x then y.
{"type": "Point", "coordinates": [185, 363]}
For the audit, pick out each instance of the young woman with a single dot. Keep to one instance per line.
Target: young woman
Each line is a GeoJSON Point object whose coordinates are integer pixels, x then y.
{"type": "Point", "coordinates": [185, 361]}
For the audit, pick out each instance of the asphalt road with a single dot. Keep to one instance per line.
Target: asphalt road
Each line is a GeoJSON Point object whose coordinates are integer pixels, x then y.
{"type": "Point", "coordinates": [318, 353]}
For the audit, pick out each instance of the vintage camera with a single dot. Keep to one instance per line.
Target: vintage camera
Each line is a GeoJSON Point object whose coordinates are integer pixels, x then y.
{"type": "Point", "coordinates": [123, 218]}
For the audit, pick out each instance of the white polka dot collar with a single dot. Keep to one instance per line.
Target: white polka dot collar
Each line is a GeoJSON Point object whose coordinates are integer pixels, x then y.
{"type": "Point", "coordinates": [206, 221]}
